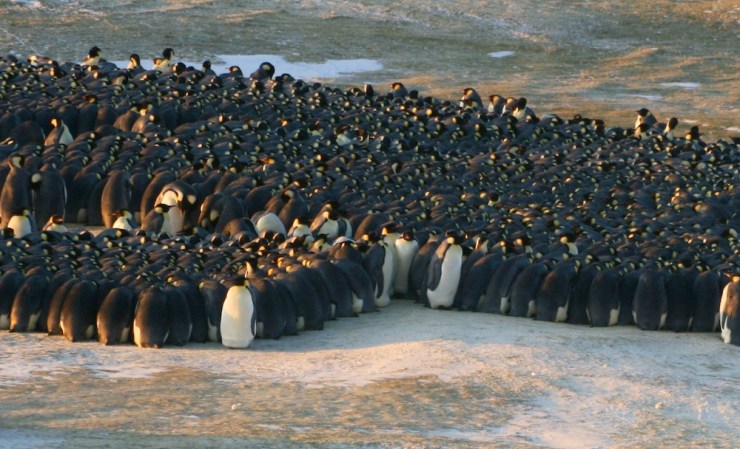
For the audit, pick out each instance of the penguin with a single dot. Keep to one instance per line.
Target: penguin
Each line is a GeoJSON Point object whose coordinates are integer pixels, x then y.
{"type": "Point", "coordinates": [134, 64]}
{"type": "Point", "coordinates": [116, 315]}
{"type": "Point", "coordinates": [308, 306]}
{"type": "Point", "coordinates": [649, 306]}
{"type": "Point", "coordinates": [123, 219]}
{"type": "Point", "coordinates": [444, 272]}
{"type": "Point", "coordinates": [28, 303]}
{"type": "Point", "coordinates": [524, 290]}
{"type": "Point", "coordinates": [22, 223]}
{"type": "Point", "coordinates": [729, 312]}
{"type": "Point", "coordinates": [54, 312]}
{"type": "Point", "coordinates": [644, 116]}
{"type": "Point", "coordinates": [603, 304]}
{"type": "Point", "coordinates": [473, 284]}
{"type": "Point", "coordinates": [496, 104]}
{"type": "Point", "coordinates": [680, 300]}
{"type": "Point", "coordinates": [49, 195]}
{"type": "Point", "coordinates": [554, 293]}
{"type": "Point", "coordinates": [213, 294]}
{"type": "Point", "coordinates": [498, 291]}
{"type": "Point", "coordinates": [470, 99]}
{"type": "Point", "coordinates": [16, 190]}
{"type": "Point", "coordinates": [578, 304]}
{"type": "Point", "coordinates": [116, 196]}
{"type": "Point", "coordinates": [239, 316]}
{"type": "Point", "coordinates": [707, 292]}
{"type": "Point", "coordinates": [270, 310]}
{"type": "Point", "coordinates": [158, 221]}
{"type": "Point", "coordinates": [79, 312]}
{"type": "Point", "coordinates": [165, 63]}
{"type": "Point", "coordinates": [378, 262]}
{"type": "Point", "coordinates": [406, 249]}
{"type": "Point", "coordinates": [180, 322]}
{"type": "Point", "coordinates": [196, 306]}
{"type": "Point", "coordinates": [419, 268]}
{"type": "Point", "coordinates": [151, 324]}
{"type": "Point", "coordinates": [59, 135]}
{"type": "Point", "coordinates": [93, 57]}
{"type": "Point", "coordinates": [363, 296]}
{"type": "Point", "coordinates": [338, 287]}
{"type": "Point", "coordinates": [264, 72]}
{"type": "Point", "coordinates": [268, 221]}
{"type": "Point", "coordinates": [10, 282]}
{"type": "Point", "coordinates": [182, 199]}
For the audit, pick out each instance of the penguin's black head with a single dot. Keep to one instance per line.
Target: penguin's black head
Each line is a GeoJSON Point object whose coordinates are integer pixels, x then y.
{"type": "Point", "coordinates": [168, 53]}
{"type": "Point", "coordinates": [94, 52]}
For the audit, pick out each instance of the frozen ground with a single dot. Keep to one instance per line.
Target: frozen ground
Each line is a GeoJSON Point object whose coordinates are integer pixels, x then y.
{"type": "Point", "coordinates": [403, 377]}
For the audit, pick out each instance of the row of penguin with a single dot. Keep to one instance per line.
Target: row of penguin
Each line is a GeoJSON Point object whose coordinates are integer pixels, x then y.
{"type": "Point", "coordinates": [229, 207]}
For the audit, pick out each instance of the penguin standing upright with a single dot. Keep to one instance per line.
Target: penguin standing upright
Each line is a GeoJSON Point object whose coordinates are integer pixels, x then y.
{"type": "Point", "coordinates": [116, 196]}
{"type": "Point", "coordinates": [649, 306]}
{"type": "Point", "coordinates": [239, 316]}
{"type": "Point", "coordinates": [16, 191]}
{"type": "Point", "coordinates": [378, 261]}
{"type": "Point", "coordinates": [444, 271]}
{"type": "Point", "coordinates": [729, 312]}
{"type": "Point", "coordinates": [151, 318]}
{"type": "Point", "coordinates": [49, 194]}
{"type": "Point", "coordinates": [115, 316]}
{"type": "Point", "coordinates": [406, 248]}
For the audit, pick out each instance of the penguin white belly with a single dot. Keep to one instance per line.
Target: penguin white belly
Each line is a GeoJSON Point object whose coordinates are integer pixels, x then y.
{"type": "Point", "coordinates": [384, 298]}
{"type": "Point", "coordinates": [237, 316]}
{"type": "Point", "coordinates": [444, 294]}
{"type": "Point", "coordinates": [562, 314]}
{"type": "Point", "coordinates": [122, 223]}
{"type": "Point", "coordinates": [176, 217]}
{"type": "Point", "coordinates": [212, 331]}
{"type": "Point", "coordinates": [21, 225]}
{"type": "Point", "coordinates": [390, 245]}
{"type": "Point", "coordinates": [269, 222]}
{"type": "Point", "coordinates": [406, 251]}
{"type": "Point", "coordinates": [4, 322]}
{"type": "Point", "coordinates": [356, 304]}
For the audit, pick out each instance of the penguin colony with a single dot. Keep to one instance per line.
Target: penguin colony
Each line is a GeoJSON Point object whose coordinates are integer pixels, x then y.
{"type": "Point", "coordinates": [237, 207]}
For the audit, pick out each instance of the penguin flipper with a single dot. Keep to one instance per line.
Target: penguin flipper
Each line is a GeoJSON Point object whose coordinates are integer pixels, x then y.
{"type": "Point", "coordinates": [434, 272]}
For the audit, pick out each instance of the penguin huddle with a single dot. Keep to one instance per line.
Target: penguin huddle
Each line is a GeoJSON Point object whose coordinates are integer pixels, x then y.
{"type": "Point", "coordinates": [302, 203]}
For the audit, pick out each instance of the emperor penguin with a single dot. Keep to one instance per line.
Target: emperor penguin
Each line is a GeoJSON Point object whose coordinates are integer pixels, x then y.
{"type": "Point", "coordinates": [59, 134]}
{"type": "Point", "coordinates": [645, 116]}
{"type": "Point", "coordinates": [22, 223]}
{"type": "Point", "coordinates": [158, 221]}
{"type": "Point", "coordinates": [470, 99]}
{"type": "Point", "coordinates": [116, 195]}
{"type": "Point", "coordinates": [93, 57]}
{"type": "Point", "coordinates": [164, 64]}
{"type": "Point", "coordinates": [239, 316]}
{"type": "Point", "coordinates": [182, 199]}
{"type": "Point", "coordinates": [406, 248]}
{"type": "Point", "coordinates": [16, 191]}
{"type": "Point", "coordinates": [123, 219]}
{"type": "Point", "coordinates": [56, 224]}
{"type": "Point", "coordinates": [268, 221]}
{"type": "Point", "coordinates": [48, 193]}
{"type": "Point", "coordinates": [444, 270]}
{"type": "Point", "coordinates": [729, 312]}
{"type": "Point", "coordinates": [378, 261]}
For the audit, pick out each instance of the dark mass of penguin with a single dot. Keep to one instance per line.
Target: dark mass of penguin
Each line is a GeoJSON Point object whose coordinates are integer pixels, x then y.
{"type": "Point", "coordinates": [235, 207]}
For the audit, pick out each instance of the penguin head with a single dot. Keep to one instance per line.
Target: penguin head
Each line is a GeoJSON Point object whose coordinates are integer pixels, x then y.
{"type": "Point", "coordinates": [168, 53]}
